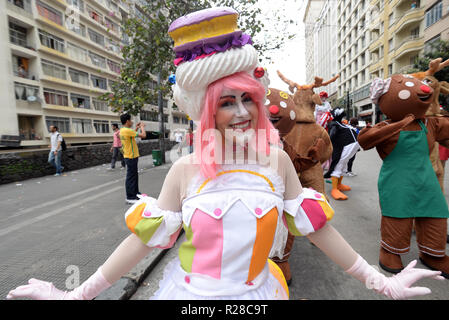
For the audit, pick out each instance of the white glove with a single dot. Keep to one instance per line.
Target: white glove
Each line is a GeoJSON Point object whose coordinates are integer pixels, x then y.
{"type": "Point", "coordinates": [43, 290]}
{"type": "Point", "coordinates": [397, 286]}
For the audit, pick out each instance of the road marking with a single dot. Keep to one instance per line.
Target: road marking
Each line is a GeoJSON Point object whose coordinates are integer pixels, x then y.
{"type": "Point", "coordinates": [20, 225]}
{"type": "Point", "coordinates": [68, 197]}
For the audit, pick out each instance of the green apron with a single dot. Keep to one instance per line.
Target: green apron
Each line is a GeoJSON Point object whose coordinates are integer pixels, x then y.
{"type": "Point", "coordinates": [408, 186]}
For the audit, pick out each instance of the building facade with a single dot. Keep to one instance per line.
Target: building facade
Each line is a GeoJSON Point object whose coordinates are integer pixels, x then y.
{"type": "Point", "coordinates": [58, 57]}
{"type": "Point", "coordinates": [311, 14]}
{"type": "Point", "coordinates": [325, 47]}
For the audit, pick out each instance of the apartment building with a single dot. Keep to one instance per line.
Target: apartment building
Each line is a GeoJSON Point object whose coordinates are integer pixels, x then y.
{"type": "Point", "coordinates": [311, 13]}
{"type": "Point", "coordinates": [58, 57]}
{"type": "Point", "coordinates": [338, 44]}
{"type": "Point", "coordinates": [354, 58]}
{"type": "Point", "coordinates": [325, 47]}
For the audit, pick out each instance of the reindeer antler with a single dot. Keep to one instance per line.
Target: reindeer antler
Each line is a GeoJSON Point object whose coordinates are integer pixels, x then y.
{"type": "Point", "coordinates": [436, 65]}
{"type": "Point", "coordinates": [291, 84]}
{"type": "Point", "coordinates": [330, 81]}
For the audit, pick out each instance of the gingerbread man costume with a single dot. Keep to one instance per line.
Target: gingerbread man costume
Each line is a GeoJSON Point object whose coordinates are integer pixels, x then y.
{"type": "Point", "coordinates": [408, 187]}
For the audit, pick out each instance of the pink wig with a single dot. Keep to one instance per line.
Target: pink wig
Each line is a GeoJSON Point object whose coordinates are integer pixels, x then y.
{"type": "Point", "coordinates": [237, 81]}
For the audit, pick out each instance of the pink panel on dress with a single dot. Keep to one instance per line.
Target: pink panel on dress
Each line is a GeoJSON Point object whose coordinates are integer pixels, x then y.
{"type": "Point", "coordinates": [315, 213]}
{"type": "Point", "coordinates": [208, 241]}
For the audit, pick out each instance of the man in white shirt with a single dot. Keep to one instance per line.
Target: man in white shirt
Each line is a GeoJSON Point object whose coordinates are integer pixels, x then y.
{"type": "Point", "coordinates": [54, 157]}
{"type": "Point", "coordinates": [178, 139]}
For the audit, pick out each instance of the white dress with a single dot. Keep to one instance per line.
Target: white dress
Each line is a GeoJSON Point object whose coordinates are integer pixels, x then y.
{"type": "Point", "coordinates": [233, 223]}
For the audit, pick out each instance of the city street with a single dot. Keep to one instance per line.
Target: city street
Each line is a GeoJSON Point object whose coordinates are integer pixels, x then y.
{"type": "Point", "coordinates": [52, 225]}
{"type": "Point", "coordinates": [358, 219]}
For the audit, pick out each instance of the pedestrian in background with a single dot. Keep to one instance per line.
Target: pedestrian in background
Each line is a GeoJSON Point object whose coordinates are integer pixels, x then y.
{"type": "Point", "coordinates": [189, 139]}
{"type": "Point", "coordinates": [131, 154]}
{"type": "Point", "coordinates": [353, 122]}
{"type": "Point", "coordinates": [54, 157]}
{"type": "Point", "coordinates": [116, 147]}
{"type": "Point", "coordinates": [178, 139]}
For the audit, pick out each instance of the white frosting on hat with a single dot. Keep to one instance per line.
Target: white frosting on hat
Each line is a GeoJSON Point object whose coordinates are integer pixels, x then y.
{"type": "Point", "coordinates": [193, 78]}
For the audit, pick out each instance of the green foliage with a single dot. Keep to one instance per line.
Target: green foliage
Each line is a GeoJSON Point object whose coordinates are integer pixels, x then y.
{"type": "Point", "coordinates": [439, 49]}
{"type": "Point", "coordinates": [149, 52]}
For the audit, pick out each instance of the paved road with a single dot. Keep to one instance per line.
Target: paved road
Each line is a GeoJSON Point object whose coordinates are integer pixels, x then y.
{"type": "Point", "coordinates": [358, 220]}
{"type": "Point", "coordinates": [53, 225]}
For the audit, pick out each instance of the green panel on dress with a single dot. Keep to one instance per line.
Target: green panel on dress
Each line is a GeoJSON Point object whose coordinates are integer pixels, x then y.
{"type": "Point", "coordinates": [187, 250]}
{"type": "Point", "coordinates": [146, 228]}
{"type": "Point", "coordinates": [291, 224]}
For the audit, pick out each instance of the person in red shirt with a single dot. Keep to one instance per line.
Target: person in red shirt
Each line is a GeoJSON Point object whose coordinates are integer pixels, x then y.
{"type": "Point", "coordinates": [189, 139]}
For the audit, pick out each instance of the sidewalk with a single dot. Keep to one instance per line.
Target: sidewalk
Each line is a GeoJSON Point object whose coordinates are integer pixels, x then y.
{"type": "Point", "coordinates": [49, 224]}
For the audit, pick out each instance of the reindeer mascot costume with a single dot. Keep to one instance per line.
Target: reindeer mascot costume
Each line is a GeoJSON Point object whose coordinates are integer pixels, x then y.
{"type": "Point", "coordinates": [408, 187]}
{"type": "Point", "coordinates": [306, 142]}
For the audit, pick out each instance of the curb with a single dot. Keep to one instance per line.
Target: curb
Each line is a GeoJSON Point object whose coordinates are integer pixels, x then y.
{"type": "Point", "coordinates": [126, 286]}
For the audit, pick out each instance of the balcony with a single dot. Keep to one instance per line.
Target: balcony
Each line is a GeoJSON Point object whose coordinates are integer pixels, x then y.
{"type": "Point", "coordinates": [411, 44]}
{"type": "Point", "coordinates": [22, 7]}
{"type": "Point", "coordinates": [409, 17]}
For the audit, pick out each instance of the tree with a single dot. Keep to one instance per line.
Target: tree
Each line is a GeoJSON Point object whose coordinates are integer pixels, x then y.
{"type": "Point", "coordinates": [435, 50]}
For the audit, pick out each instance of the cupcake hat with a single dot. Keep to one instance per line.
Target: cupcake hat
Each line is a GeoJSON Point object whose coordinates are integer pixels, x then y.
{"type": "Point", "coordinates": [209, 46]}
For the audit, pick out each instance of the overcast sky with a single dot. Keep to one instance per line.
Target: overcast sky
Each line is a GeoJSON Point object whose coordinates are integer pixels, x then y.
{"type": "Point", "coordinates": [290, 60]}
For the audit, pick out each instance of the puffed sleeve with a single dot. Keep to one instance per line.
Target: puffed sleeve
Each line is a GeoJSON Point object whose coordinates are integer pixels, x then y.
{"type": "Point", "coordinates": [154, 227]}
{"type": "Point", "coordinates": [308, 213]}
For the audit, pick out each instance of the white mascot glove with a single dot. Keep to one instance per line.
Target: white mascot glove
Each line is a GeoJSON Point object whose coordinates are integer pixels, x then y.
{"type": "Point", "coordinates": [397, 286]}
{"type": "Point", "coordinates": [43, 290]}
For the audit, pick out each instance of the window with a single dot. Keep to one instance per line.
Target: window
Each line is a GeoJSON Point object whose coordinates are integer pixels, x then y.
{"type": "Point", "coordinates": [414, 33]}
{"type": "Point", "coordinates": [63, 124]}
{"type": "Point", "coordinates": [99, 82]}
{"type": "Point", "coordinates": [101, 126]}
{"type": "Point", "coordinates": [77, 53]}
{"type": "Point", "coordinates": [94, 15]}
{"type": "Point", "coordinates": [146, 115]}
{"type": "Point", "coordinates": [56, 97]}
{"type": "Point", "coordinates": [96, 37]}
{"type": "Point", "coordinates": [51, 41]}
{"type": "Point", "coordinates": [79, 76]}
{"type": "Point", "coordinates": [390, 69]}
{"type": "Point", "coordinates": [390, 19]}
{"type": "Point", "coordinates": [381, 51]}
{"type": "Point", "coordinates": [75, 26]}
{"type": "Point", "coordinates": [390, 44]}
{"type": "Point", "coordinates": [112, 26]}
{"type": "Point", "coordinates": [97, 60]}
{"type": "Point", "coordinates": [79, 4]}
{"type": "Point", "coordinates": [112, 46]}
{"type": "Point", "coordinates": [184, 121]}
{"type": "Point", "coordinates": [48, 12]}
{"type": "Point", "coordinates": [82, 125]}
{"type": "Point", "coordinates": [20, 66]}
{"type": "Point", "coordinates": [79, 101]}
{"type": "Point", "coordinates": [100, 105]}
{"type": "Point", "coordinates": [434, 14]}
{"type": "Point", "coordinates": [17, 34]}
{"type": "Point", "coordinates": [428, 46]}
{"type": "Point", "coordinates": [176, 119]}
{"type": "Point", "coordinates": [53, 69]}
{"type": "Point", "coordinates": [113, 66]}
{"type": "Point", "coordinates": [24, 91]}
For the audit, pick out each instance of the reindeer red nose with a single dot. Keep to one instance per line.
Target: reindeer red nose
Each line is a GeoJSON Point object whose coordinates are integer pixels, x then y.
{"type": "Point", "coordinates": [425, 89]}
{"type": "Point", "coordinates": [274, 109]}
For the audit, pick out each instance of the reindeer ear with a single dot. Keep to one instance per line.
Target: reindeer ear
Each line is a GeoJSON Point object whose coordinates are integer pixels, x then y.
{"type": "Point", "coordinates": [292, 89]}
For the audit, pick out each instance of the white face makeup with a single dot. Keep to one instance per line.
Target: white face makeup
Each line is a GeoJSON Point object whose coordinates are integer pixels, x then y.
{"type": "Point", "coordinates": [236, 117]}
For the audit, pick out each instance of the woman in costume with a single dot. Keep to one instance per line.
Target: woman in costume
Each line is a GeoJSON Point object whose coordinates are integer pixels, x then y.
{"type": "Point", "coordinates": [234, 215]}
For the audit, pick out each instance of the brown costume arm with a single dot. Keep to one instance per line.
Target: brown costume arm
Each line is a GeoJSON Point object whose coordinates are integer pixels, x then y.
{"type": "Point", "coordinates": [301, 164]}
{"type": "Point", "coordinates": [370, 137]}
{"type": "Point", "coordinates": [441, 130]}
{"type": "Point", "coordinates": [326, 147]}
